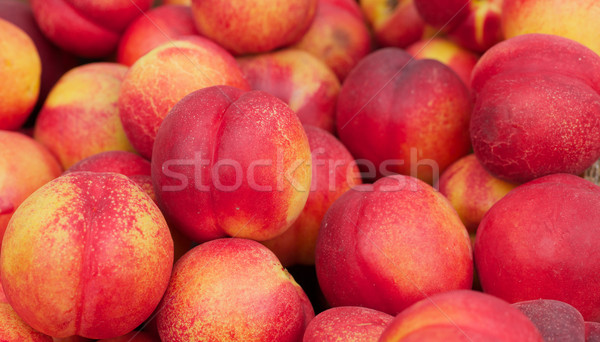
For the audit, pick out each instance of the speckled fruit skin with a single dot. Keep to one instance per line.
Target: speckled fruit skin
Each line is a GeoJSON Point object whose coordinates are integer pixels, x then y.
{"type": "Point", "coordinates": [109, 250]}
{"type": "Point", "coordinates": [55, 62]}
{"type": "Point", "coordinates": [232, 290]}
{"type": "Point", "coordinates": [460, 60]}
{"type": "Point", "coordinates": [509, 139]}
{"type": "Point", "coordinates": [474, 25]}
{"type": "Point", "coordinates": [461, 316]}
{"type": "Point", "coordinates": [472, 190]}
{"type": "Point", "coordinates": [390, 105]}
{"type": "Point", "coordinates": [555, 320]}
{"type": "Point", "coordinates": [533, 116]}
{"type": "Point", "coordinates": [299, 79]}
{"type": "Point", "coordinates": [20, 73]}
{"type": "Point", "coordinates": [575, 20]}
{"type": "Point", "coordinates": [333, 173]}
{"type": "Point", "coordinates": [25, 165]}
{"type": "Point", "coordinates": [158, 26]}
{"type": "Point", "coordinates": [86, 28]}
{"type": "Point", "coordinates": [226, 126]}
{"type": "Point", "coordinates": [390, 244]}
{"type": "Point", "coordinates": [347, 323]}
{"type": "Point", "coordinates": [80, 116]}
{"type": "Point", "coordinates": [138, 170]}
{"type": "Point", "coordinates": [394, 23]}
{"type": "Point", "coordinates": [554, 255]}
{"type": "Point", "coordinates": [125, 163]}
{"type": "Point", "coordinates": [338, 36]}
{"type": "Point", "coordinates": [12, 327]}
{"type": "Point", "coordinates": [253, 26]}
{"type": "Point", "coordinates": [162, 77]}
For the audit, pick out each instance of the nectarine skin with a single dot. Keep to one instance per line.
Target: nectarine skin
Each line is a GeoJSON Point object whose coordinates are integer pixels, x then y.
{"type": "Point", "coordinates": [80, 116]}
{"type": "Point", "coordinates": [461, 316]}
{"type": "Point", "coordinates": [232, 290]}
{"type": "Point", "coordinates": [474, 25]}
{"type": "Point", "coordinates": [333, 173]}
{"type": "Point", "coordinates": [472, 190]}
{"type": "Point", "coordinates": [109, 250]}
{"type": "Point", "coordinates": [20, 73]}
{"type": "Point", "coordinates": [394, 23]}
{"type": "Point", "coordinates": [460, 60]}
{"type": "Point", "coordinates": [528, 125]}
{"type": "Point", "coordinates": [156, 81]}
{"type": "Point", "coordinates": [138, 170]}
{"type": "Point", "coordinates": [390, 244]}
{"type": "Point", "coordinates": [556, 256]}
{"type": "Point", "coordinates": [347, 323]}
{"type": "Point", "coordinates": [220, 164]}
{"type": "Point", "coordinates": [12, 327]}
{"type": "Point", "coordinates": [253, 26]}
{"type": "Point", "coordinates": [395, 112]}
{"type": "Point", "coordinates": [125, 163]}
{"type": "Point", "coordinates": [592, 332]}
{"type": "Point", "coordinates": [55, 62]}
{"type": "Point", "coordinates": [538, 53]}
{"type": "Point", "coordinates": [86, 28]}
{"type": "Point", "coordinates": [338, 36]}
{"type": "Point", "coordinates": [577, 20]}
{"type": "Point", "coordinates": [156, 27]}
{"type": "Point", "coordinates": [299, 79]}
{"type": "Point", "coordinates": [555, 320]}
{"type": "Point", "coordinates": [25, 165]}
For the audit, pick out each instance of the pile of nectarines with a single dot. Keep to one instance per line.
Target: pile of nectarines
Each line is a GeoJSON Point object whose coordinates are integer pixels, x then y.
{"type": "Point", "coordinates": [299, 170]}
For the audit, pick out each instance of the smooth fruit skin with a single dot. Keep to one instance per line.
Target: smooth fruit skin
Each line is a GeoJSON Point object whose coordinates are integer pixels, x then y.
{"type": "Point", "coordinates": [472, 190]}
{"type": "Point", "coordinates": [394, 23]}
{"type": "Point", "coordinates": [156, 27]}
{"type": "Point", "coordinates": [347, 323]}
{"type": "Point", "coordinates": [109, 250]}
{"type": "Point", "coordinates": [460, 60]}
{"type": "Point", "coordinates": [404, 116]}
{"type": "Point", "coordinates": [390, 244]}
{"type": "Point", "coordinates": [338, 36]}
{"type": "Point", "coordinates": [461, 316]}
{"type": "Point", "coordinates": [80, 116]}
{"type": "Point", "coordinates": [12, 327]}
{"type": "Point", "coordinates": [20, 73]}
{"type": "Point", "coordinates": [555, 320]}
{"type": "Point", "coordinates": [575, 20]}
{"type": "Point", "coordinates": [475, 25]}
{"type": "Point", "coordinates": [25, 165]}
{"type": "Point", "coordinates": [334, 172]}
{"type": "Point", "coordinates": [55, 62]}
{"type": "Point", "coordinates": [88, 29]}
{"type": "Point", "coordinates": [253, 26]}
{"type": "Point", "coordinates": [232, 290]}
{"type": "Point", "coordinates": [264, 188]}
{"type": "Point", "coordinates": [162, 77]}
{"type": "Point", "coordinates": [538, 53]}
{"type": "Point", "coordinates": [299, 79]}
{"type": "Point", "coordinates": [554, 255]}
